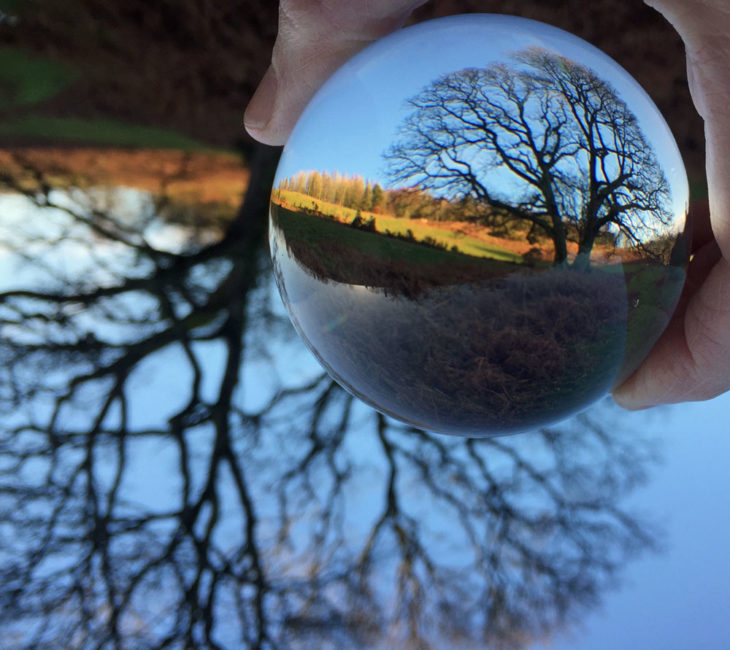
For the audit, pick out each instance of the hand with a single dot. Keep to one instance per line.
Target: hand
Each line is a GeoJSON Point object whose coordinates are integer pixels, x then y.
{"type": "Point", "coordinates": [691, 361]}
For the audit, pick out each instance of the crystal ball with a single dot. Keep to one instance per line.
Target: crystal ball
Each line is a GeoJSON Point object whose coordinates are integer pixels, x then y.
{"type": "Point", "coordinates": [478, 225]}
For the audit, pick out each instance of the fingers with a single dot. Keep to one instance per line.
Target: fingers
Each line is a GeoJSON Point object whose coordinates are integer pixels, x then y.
{"type": "Point", "coordinates": [704, 25]}
{"type": "Point", "coordinates": [315, 37]}
{"type": "Point", "coordinates": [691, 361]}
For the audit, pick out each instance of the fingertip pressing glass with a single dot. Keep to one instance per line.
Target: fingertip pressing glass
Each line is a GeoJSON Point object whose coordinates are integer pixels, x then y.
{"type": "Point", "coordinates": [478, 225]}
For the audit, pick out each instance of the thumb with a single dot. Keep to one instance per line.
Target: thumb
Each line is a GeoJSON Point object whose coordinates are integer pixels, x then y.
{"type": "Point", "coordinates": [315, 37]}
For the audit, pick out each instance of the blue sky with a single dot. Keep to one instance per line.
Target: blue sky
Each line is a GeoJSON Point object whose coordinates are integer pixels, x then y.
{"type": "Point", "coordinates": [355, 115]}
{"type": "Point", "coordinates": [678, 598]}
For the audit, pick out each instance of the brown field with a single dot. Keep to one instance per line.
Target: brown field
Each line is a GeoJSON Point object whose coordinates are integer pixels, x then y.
{"type": "Point", "coordinates": [186, 176]}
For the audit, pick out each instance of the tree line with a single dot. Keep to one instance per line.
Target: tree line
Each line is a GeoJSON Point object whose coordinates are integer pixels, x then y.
{"type": "Point", "coordinates": [358, 193]}
{"type": "Point", "coordinates": [348, 191]}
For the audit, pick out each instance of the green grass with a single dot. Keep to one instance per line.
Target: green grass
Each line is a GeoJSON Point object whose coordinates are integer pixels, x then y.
{"type": "Point", "coordinates": [465, 244]}
{"type": "Point", "coordinates": [315, 230]}
{"type": "Point", "coordinates": [27, 79]}
{"type": "Point", "coordinates": [98, 131]}
{"type": "Point", "coordinates": [322, 234]}
{"type": "Point", "coordinates": [399, 226]}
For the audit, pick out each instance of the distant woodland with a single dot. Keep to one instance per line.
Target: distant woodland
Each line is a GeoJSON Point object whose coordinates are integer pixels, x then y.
{"type": "Point", "coordinates": [357, 193]}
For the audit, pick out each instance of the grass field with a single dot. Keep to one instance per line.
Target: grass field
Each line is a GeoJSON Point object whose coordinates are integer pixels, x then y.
{"type": "Point", "coordinates": [385, 224]}
{"type": "Point", "coordinates": [319, 232]}
{"type": "Point", "coordinates": [98, 131]}
{"type": "Point", "coordinates": [27, 81]}
{"type": "Point", "coordinates": [333, 251]}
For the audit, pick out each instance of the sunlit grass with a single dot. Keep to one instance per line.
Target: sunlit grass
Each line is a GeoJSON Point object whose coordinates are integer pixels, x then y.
{"type": "Point", "coordinates": [401, 227]}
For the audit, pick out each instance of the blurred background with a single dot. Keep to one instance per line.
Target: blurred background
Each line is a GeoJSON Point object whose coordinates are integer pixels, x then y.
{"type": "Point", "coordinates": [186, 70]}
{"type": "Point", "coordinates": [175, 468]}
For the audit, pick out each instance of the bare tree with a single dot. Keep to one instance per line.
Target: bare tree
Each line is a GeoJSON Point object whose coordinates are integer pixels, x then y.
{"type": "Point", "coordinates": [258, 507]}
{"type": "Point", "coordinates": [543, 141]}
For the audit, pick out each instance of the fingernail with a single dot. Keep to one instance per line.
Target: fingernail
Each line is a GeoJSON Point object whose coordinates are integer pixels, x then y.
{"type": "Point", "coordinates": [626, 402]}
{"type": "Point", "coordinates": [259, 109]}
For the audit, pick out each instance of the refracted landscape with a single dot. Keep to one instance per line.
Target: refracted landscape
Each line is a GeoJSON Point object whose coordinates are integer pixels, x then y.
{"type": "Point", "coordinates": [458, 226]}
{"type": "Point", "coordinates": [524, 250]}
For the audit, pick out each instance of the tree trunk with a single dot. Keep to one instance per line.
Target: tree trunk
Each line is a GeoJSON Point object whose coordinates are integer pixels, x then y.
{"type": "Point", "coordinates": [560, 242]}
{"type": "Point", "coordinates": [583, 259]}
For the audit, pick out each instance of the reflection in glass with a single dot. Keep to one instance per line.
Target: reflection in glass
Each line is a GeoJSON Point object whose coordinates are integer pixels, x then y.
{"type": "Point", "coordinates": [494, 248]}
{"type": "Point", "coordinates": [176, 472]}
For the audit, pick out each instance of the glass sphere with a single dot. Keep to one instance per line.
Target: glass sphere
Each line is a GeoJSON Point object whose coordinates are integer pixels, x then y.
{"type": "Point", "coordinates": [478, 225]}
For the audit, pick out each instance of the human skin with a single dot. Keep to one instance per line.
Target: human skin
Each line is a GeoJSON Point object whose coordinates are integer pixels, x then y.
{"type": "Point", "coordinates": [691, 361]}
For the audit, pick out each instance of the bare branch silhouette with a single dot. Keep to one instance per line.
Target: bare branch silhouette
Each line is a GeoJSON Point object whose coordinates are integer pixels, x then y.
{"type": "Point", "coordinates": [168, 480]}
